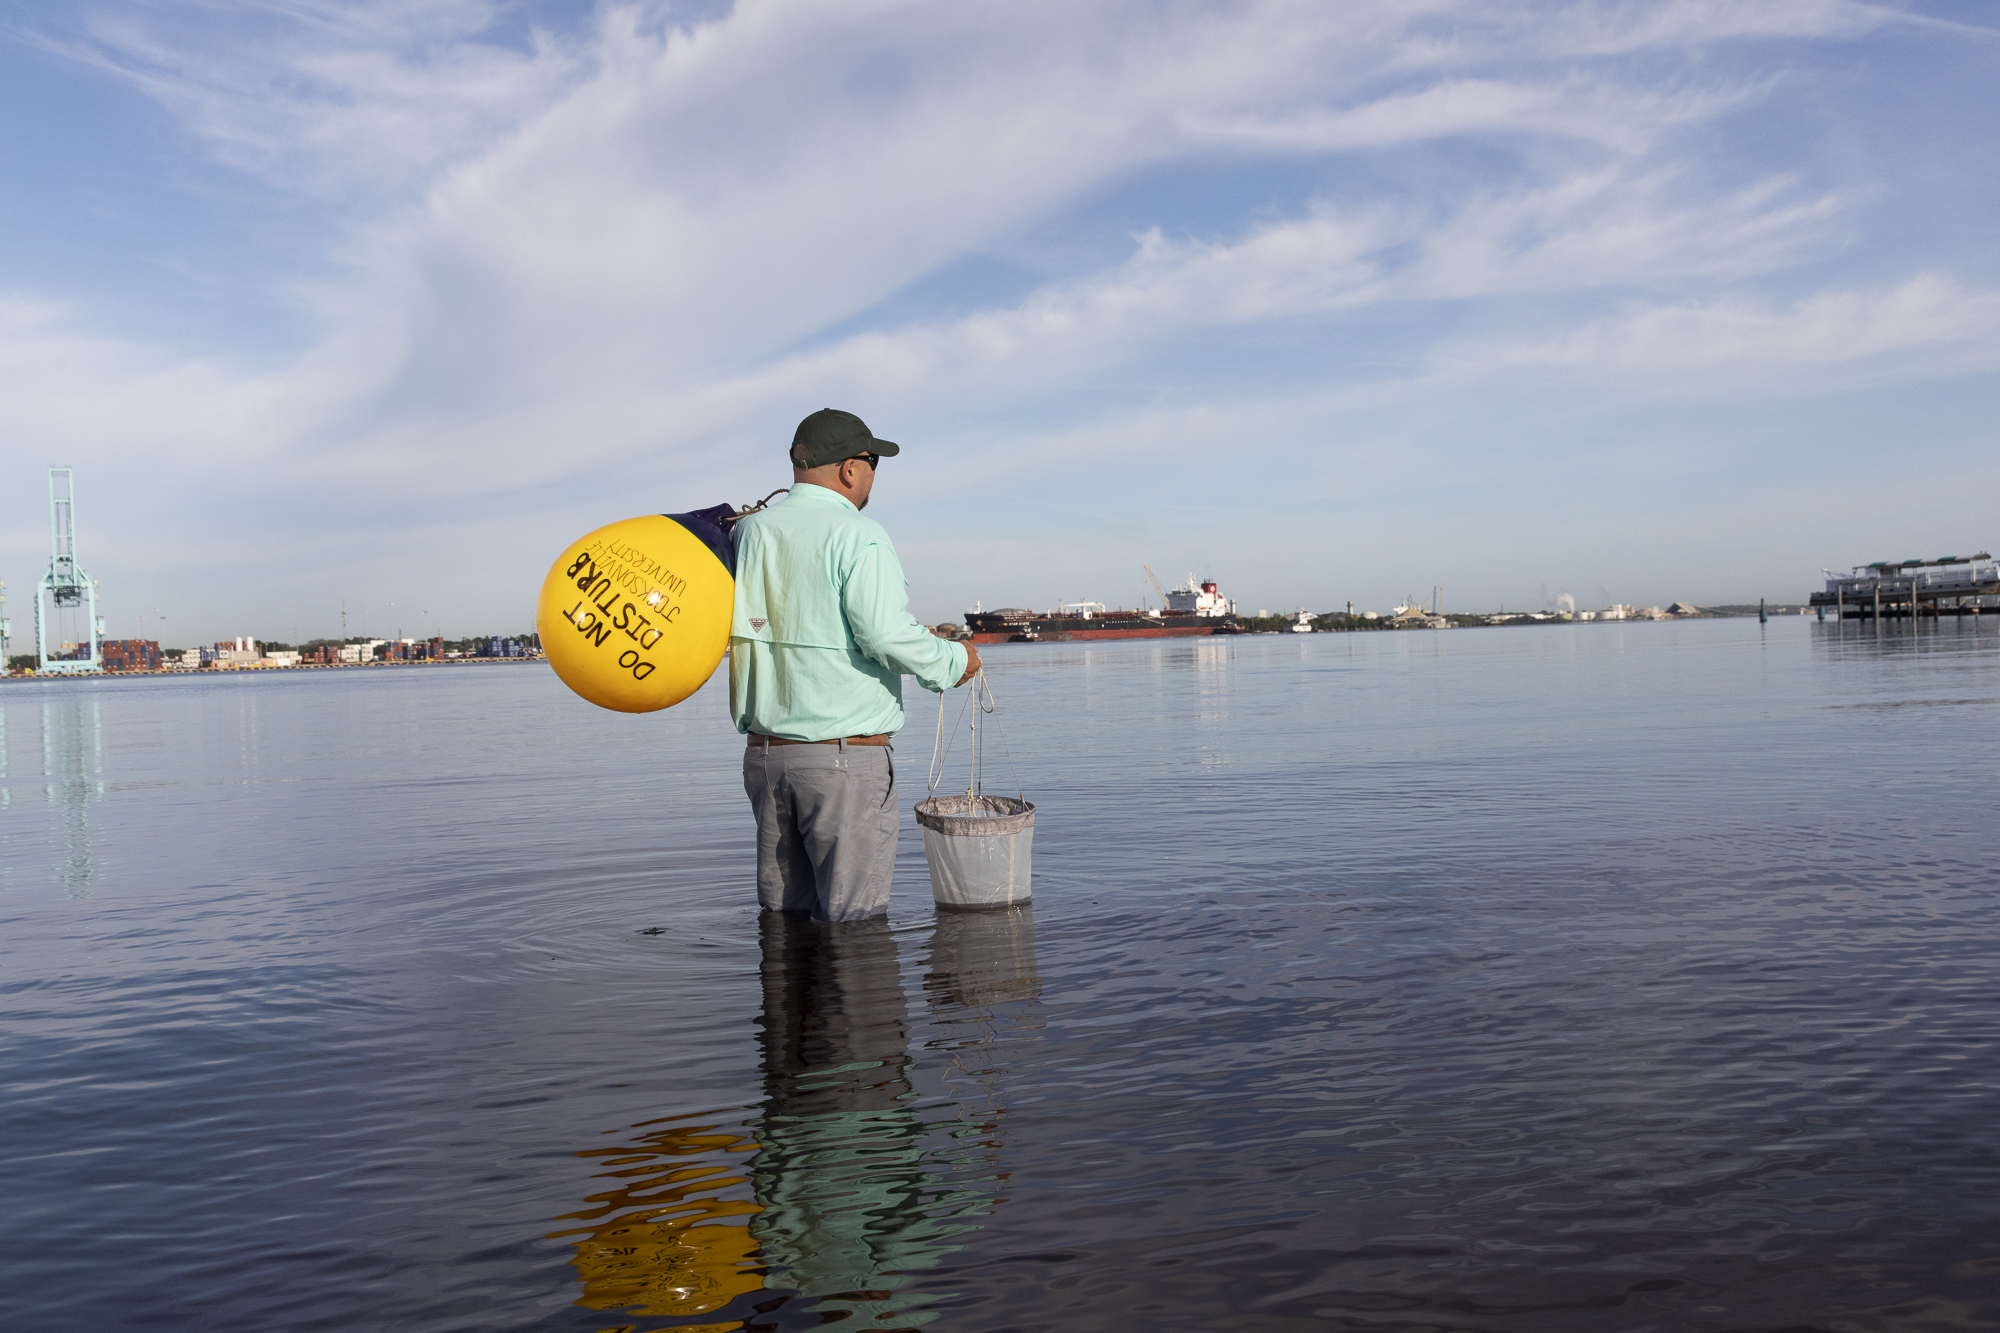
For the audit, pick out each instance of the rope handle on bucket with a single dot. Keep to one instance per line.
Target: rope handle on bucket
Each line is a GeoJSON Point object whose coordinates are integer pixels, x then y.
{"type": "Point", "coordinates": [974, 786]}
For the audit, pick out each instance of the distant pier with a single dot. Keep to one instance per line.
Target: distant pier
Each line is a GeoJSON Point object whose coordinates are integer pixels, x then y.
{"type": "Point", "coordinates": [1953, 585]}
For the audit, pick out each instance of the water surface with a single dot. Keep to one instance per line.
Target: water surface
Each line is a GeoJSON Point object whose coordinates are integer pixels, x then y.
{"type": "Point", "coordinates": [1593, 977]}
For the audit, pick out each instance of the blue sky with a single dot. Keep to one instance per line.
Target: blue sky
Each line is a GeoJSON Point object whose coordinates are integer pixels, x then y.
{"type": "Point", "coordinates": [385, 303]}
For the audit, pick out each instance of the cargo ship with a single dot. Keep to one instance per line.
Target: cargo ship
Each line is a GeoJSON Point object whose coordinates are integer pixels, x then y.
{"type": "Point", "coordinates": [1195, 608]}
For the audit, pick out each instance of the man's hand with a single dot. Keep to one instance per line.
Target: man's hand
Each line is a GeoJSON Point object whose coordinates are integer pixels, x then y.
{"type": "Point", "coordinates": [971, 663]}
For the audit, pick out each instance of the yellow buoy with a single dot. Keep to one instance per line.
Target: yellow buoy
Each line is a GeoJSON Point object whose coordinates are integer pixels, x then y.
{"type": "Point", "coordinates": [635, 616]}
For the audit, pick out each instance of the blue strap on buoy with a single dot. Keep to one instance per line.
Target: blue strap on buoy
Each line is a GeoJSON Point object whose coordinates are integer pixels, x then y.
{"type": "Point", "coordinates": [712, 526]}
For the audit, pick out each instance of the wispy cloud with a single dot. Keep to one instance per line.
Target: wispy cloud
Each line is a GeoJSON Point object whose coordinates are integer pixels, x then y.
{"type": "Point", "coordinates": [602, 248]}
{"type": "Point", "coordinates": [350, 102]}
{"type": "Point", "coordinates": [1928, 328]}
{"type": "Point", "coordinates": [1595, 110]}
{"type": "Point", "coordinates": [1595, 231]}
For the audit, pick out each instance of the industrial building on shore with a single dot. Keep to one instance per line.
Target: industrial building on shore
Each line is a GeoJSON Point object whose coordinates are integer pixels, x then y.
{"type": "Point", "coordinates": [135, 656]}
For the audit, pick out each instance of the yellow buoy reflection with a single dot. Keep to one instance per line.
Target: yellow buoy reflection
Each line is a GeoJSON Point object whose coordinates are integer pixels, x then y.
{"type": "Point", "coordinates": [663, 1242]}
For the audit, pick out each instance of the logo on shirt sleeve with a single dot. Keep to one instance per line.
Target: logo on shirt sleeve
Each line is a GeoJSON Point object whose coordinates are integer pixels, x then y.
{"type": "Point", "coordinates": [758, 624]}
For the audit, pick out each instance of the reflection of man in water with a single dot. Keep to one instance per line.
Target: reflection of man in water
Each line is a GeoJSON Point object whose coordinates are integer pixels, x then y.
{"type": "Point", "coordinates": [853, 1190]}
{"type": "Point", "coordinates": [844, 1193]}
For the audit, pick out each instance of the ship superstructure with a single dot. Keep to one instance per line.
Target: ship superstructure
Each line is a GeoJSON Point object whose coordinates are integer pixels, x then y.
{"type": "Point", "coordinates": [1199, 598]}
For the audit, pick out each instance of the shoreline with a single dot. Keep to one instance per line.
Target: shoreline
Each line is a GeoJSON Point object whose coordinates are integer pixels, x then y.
{"type": "Point", "coordinates": [260, 670]}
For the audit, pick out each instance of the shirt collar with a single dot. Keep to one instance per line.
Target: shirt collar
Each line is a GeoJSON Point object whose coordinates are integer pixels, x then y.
{"type": "Point", "coordinates": [811, 493]}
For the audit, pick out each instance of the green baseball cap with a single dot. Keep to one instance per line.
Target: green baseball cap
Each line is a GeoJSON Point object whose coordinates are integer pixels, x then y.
{"type": "Point", "coordinates": [831, 435]}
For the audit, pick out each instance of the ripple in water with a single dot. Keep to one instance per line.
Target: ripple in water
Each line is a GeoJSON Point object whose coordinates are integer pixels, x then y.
{"type": "Point", "coordinates": [1586, 978]}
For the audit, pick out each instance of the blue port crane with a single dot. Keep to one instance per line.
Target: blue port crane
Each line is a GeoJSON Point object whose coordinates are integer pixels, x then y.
{"type": "Point", "coordinates": [66, 585]}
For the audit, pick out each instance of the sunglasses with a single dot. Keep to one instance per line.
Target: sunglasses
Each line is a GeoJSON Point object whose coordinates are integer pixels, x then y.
{"type": "Point", "coordinates": [870, 459]}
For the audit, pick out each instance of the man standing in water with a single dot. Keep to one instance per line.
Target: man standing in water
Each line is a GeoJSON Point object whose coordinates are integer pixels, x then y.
{"type": "Point", "coordinates": [821, 640]}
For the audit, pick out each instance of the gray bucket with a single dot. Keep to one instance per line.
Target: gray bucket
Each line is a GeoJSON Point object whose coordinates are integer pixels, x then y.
{"type": "Point", "coordinates": [979, 848]}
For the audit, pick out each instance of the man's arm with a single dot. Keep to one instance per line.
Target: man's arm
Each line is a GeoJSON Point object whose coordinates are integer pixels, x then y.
{"type": "Point", "coordinates": [971, 659]}
{"type": "Point", "coordinates": [876, 602]}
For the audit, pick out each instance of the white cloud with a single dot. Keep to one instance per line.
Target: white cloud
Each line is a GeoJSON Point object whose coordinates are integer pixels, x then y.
{"type": "Point", "coordinates": [348, 102]}
{"type": "Point", "coordinates": [1626, 119]}
{"type": "Point", "coordinates": [1926, 328]}
{"type": "Point", "coordinates": [651, 210]}
{"type": "Point", "coordinates": [1594, 231]}
{"type": "Point", "coordinates": [1622, 29]}
{"type": "Point", "coordinates": [77, 395]}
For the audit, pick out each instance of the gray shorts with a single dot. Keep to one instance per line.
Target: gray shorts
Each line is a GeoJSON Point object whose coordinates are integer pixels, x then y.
{"type": "Point", "coordinates": [826, 827]}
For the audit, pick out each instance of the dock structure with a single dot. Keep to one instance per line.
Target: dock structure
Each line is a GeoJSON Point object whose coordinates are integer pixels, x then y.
{"type": "Point", "coordinates": [1952, 585]}
{"type": "Point", "coordinates": [64, 586]}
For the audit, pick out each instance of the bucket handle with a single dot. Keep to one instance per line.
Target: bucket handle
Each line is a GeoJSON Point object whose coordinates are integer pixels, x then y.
{"type": "Point", "coordinates": [974, 786]}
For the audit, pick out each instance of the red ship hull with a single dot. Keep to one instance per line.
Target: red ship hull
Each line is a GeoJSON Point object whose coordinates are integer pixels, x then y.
{"type": "Point", "coordinates": [1081, 635]}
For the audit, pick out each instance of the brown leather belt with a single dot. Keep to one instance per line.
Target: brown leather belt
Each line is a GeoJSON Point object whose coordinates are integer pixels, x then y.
{"type": "Point", "coordinates": [883, 739]}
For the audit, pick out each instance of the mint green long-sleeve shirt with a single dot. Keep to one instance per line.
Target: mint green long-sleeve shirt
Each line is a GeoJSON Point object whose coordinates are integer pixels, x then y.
{"type": "Point", "coordinates": [822, 635]}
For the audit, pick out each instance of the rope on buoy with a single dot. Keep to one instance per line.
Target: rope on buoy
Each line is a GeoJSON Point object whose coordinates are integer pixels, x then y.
{"type": "Point", "coordinates": [757, 508]}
